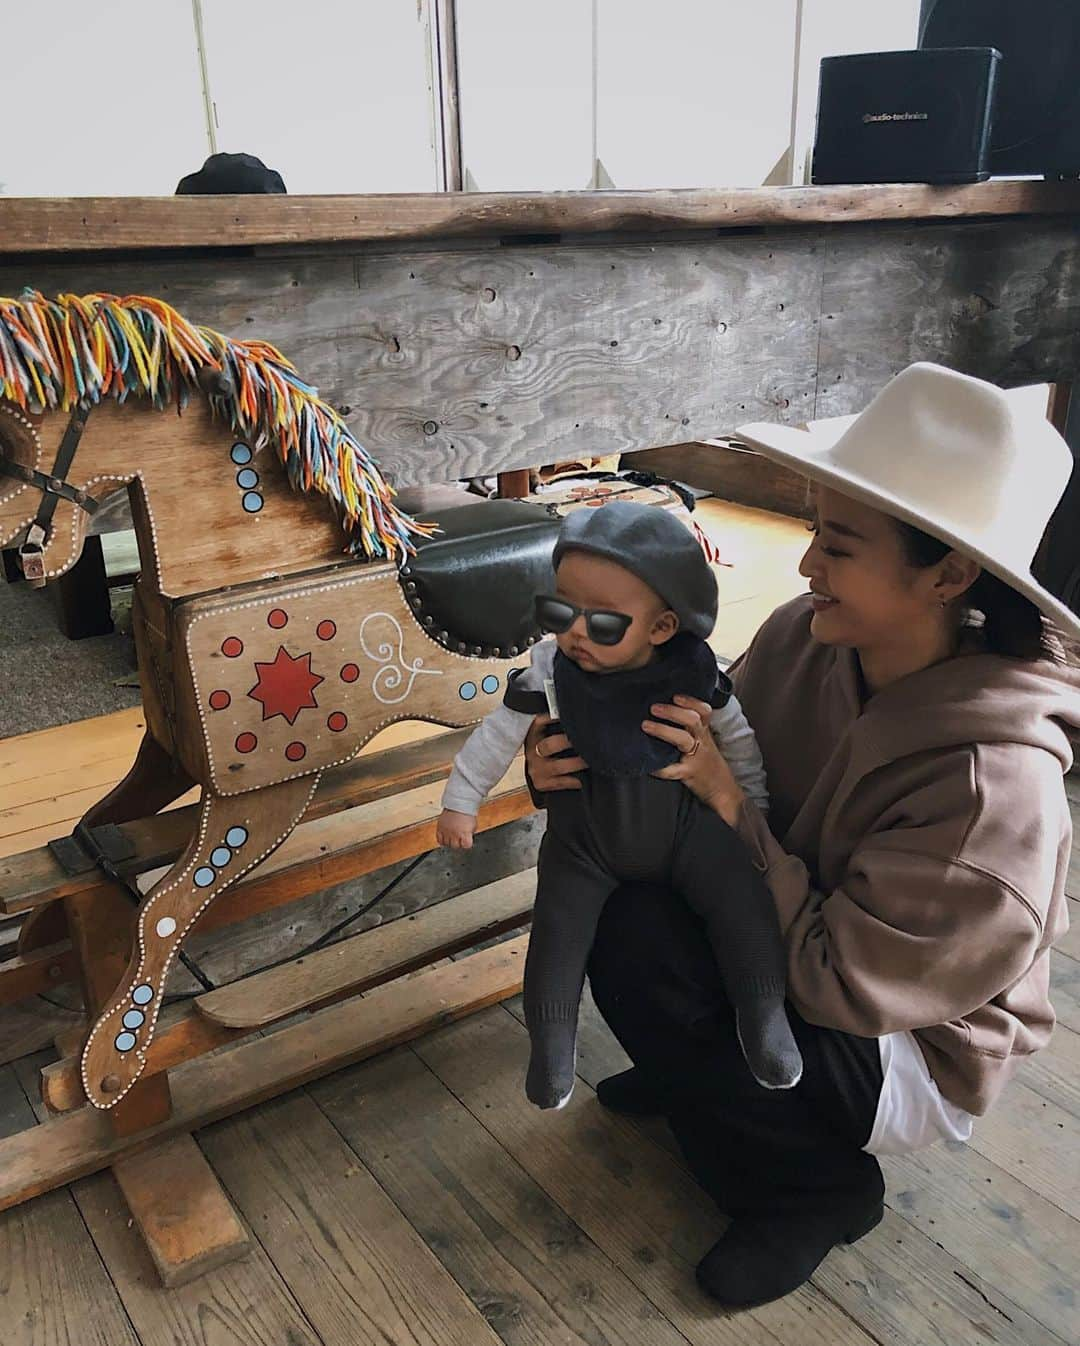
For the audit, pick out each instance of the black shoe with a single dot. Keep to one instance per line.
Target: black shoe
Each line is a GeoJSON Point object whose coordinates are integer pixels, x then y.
{"type": "Point", "coordinates": [764, 1257]}
{"type": "Point", "coordinates": [630, 1093]}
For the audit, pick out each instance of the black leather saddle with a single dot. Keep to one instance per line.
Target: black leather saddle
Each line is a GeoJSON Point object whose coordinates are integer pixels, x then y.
{"type": "Point", "coordinates": [472, 585]}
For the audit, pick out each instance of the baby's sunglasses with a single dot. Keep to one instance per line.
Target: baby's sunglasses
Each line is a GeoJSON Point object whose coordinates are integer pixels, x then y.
{"type": "Point", "coordinates": [557, 615]}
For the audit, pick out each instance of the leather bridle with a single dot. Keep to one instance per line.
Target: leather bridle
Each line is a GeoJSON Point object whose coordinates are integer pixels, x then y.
{"type": "Point", "coordinates": [53, 487]}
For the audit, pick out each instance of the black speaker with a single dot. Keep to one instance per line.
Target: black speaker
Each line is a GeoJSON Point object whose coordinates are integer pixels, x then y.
{"type": "Point", "coordinates": [1037, 118]}
{"type": "Point", "coordinates": [905, 116]}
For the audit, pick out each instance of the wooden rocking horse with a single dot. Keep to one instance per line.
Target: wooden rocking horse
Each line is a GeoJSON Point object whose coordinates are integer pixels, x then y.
{"type": "Point", "coordinates": [265, 654]}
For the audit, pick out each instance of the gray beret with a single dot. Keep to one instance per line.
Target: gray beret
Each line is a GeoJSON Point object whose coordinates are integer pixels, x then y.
{"type": "Point", "coordinates": [655, 546]}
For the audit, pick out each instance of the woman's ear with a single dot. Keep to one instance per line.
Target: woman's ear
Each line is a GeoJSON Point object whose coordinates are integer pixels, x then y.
{"type": "Point", "coordinates": [956, 574]}
{"type": "Point", "coordinates": [664, 628]}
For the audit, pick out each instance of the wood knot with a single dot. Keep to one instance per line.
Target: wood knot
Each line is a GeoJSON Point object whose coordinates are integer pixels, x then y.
{"type": "Point", "coordinates": [110, 1084]}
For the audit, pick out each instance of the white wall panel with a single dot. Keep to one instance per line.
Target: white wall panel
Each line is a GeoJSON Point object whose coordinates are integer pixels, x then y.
{"type": "Point", "coordinates": [842, 28]}
{"type": "Point", "coordinates": [100, 99]}
{"type": "Point", "coordinates": [525, 72]}
{"type": "Point", "coordinates": [331, 93]}
{"type": "Point", "coordinates": [694, 93]}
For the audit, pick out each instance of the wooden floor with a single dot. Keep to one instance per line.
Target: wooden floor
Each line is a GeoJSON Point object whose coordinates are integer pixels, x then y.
{"type": "Point", "coordinates": [419, 1199]}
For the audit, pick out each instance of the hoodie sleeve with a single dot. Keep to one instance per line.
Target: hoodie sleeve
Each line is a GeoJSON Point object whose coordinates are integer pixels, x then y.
{"type": "Point", "coordinates": [735, 739]}
{"type": "Point", "coordinates": [909, 938]}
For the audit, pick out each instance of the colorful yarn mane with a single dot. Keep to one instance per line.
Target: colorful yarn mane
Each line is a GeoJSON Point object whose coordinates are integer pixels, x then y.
{"type": "Point", "coordinates": [57, 353]}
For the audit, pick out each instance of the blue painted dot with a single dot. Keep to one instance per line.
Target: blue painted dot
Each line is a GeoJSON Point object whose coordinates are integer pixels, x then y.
{"type": "Point", "coordinates": [204, 877]}
{"type": "Point", "coordinates": [142, 995]}
{"type": "Point", "coordinates": [247, 477]}
{"type": "Point", "coordinates": [220, 855]}
{"type": "Point", "coordinates": [125, 1042]}
{"type": "Point", "coordinates": [134, 1019]}
{"type": "Point", "coordinates": [467, 691]}
{"type": "Point", "coordinates": [240, 453]}
{"type": "Point", "coordinates": [252, 502]}
{"type": "Point", "coordinates": [490, 684]}
{"type": "Point", "coordinates": [236, 836]}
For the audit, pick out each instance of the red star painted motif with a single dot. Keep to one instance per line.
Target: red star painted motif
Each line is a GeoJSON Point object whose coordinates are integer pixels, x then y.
{"type": "Point", "coordinates": [286, 686]}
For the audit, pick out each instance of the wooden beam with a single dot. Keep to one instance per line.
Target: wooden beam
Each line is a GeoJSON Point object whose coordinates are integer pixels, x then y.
{"type": "Point", "coordinates": [181, 1210]}
{"type": "Point", "coordinates": [109, 224]}
{"type": "Point", "coordinates": [1057, 406]}
{"type": "Point", "coordinates": [318, 854]}
{"type": "Point", "coordinates": [182, 1035]}
{"type": "Point", "coordinates": [732, 472]}
{"type": "Point", "coordinates": [65, 1148]}
{"type": "Point", "coordinates": [373, 957]}
{"type": "Point", "coordinates": [34, 878]}
{"type": "Point", "coordinates": [322, 865]}
{"type": "Point", "coordinates": [514, 485]}
{"type": "Point", "coordinates": [54, 965]}
{"type": "Point", "coordinates": [354, 965]}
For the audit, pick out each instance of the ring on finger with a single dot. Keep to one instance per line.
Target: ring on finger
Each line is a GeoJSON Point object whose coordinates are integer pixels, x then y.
{"type": "Point", "coordinates": [690, 751]}
{"type": "Point", "coordinates": [537, 748]}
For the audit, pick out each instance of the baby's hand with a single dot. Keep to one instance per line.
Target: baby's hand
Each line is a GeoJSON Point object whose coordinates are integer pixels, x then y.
{"type": "Point", "coordinates": [455, 830]}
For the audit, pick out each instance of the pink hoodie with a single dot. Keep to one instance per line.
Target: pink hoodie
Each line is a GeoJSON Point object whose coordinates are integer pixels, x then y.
{"type": "Point", "coordinates": [922, 839]}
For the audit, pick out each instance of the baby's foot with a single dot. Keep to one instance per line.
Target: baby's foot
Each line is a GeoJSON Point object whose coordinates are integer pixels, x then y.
{"type": "Point", "coordinates": [768, 1043]}
{"type": "Point", "coordinates": [552, 1063]}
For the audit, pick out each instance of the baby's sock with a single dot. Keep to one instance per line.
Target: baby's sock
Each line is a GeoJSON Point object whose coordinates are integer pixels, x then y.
{"type": "Point", "coordinates": [768, 1043]}
{"type": "Point", "coordinates": [552, 1062]}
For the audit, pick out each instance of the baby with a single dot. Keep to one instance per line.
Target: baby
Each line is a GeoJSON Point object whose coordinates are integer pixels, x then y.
{"type": "Point", "coordinates": [634, 603]}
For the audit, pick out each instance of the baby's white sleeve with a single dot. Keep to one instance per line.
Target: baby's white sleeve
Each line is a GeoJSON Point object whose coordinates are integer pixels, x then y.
{"type": "Point", "coordinates": [494, 743]}
{"type": "Point", "coordinates": [737, 741]}
{"type": "Point", "coordinates": [485, 759]}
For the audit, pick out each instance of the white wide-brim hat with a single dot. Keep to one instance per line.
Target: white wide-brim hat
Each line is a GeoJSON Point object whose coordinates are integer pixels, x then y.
{"type": "Point", "coordinates": [951, 455]}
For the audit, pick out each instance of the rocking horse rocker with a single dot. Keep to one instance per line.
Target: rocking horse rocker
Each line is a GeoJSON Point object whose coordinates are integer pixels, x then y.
{"type": "Point", "coordinates": [266, 656]}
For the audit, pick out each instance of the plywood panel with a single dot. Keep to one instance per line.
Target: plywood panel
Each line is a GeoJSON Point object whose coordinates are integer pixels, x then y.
{"type": "Point", "coordinates": [999, 301]}
{"type": "Point", "coordinates": [453, 364]}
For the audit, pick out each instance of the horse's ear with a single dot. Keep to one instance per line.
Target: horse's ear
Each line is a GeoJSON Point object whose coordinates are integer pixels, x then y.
{"type": "Point", "coordinates": [216, 382]}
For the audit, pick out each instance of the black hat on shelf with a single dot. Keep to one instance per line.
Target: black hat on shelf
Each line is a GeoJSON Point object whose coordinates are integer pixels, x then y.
{"type": "Point", "coordinates": [231, 175]}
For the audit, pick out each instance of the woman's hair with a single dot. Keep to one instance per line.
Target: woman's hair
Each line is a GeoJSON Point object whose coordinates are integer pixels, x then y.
{"type": "Point", "coordinates": [1012, 624]}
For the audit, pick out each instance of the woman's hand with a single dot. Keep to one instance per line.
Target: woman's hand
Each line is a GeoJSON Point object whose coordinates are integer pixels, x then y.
{"type": "Point", "coordinates": [702, 767]}
{"type": "Point", "coordinates": [546, 771]}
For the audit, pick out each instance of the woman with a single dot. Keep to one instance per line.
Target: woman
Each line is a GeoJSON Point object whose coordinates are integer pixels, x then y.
{"type": "Point", "coordinates": [912, 714]}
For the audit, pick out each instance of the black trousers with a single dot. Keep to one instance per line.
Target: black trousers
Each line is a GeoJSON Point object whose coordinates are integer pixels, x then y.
{"type": "Point", "coordinates": [640, 829]}
{"type": "Point", "coordinates": [655, 980]}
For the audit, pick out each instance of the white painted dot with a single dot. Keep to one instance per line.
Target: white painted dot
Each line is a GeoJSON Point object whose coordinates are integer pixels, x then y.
{"type": "Point", "coordinates": [165, 927]}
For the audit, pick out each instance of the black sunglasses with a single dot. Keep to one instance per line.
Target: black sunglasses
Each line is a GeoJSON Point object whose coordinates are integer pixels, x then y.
{"type": "Point", "coordinates": [557, 615]}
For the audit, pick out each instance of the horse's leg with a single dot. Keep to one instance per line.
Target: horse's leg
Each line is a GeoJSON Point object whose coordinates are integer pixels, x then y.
{"type": "Point", "coordinates": [153, 781]}
{"type": "Point", "coordinates": [233, 835]}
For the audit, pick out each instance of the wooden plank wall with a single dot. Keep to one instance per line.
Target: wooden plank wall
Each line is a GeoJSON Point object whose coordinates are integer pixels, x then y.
{"type": "Point", "coordinates": [468, 358]}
